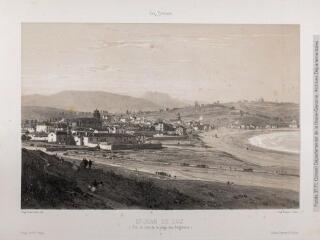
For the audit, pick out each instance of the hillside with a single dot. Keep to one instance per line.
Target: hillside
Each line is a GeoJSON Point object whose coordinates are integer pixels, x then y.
{"type": "Point", "coordinates": [45, 113]}
{"type": "Point", "coordinates": [163, 100]}
{"type": "Point", "coordinates": [87, 101]}
{"type": "Point", "coordinates": [68, 104]}
{"type": "Point", "coordinates": [258, 113]}
{"type": "Point", "coordinates": [49, 183]}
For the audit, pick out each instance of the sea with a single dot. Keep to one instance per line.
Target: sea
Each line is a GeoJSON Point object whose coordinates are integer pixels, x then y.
{"type": "Point", "coordinates": [279, 141]}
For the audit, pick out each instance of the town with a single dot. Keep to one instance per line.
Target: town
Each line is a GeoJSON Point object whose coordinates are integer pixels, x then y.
{"type": "Point", "coordinates": [112, 131]}
{"type": "Point", "coordinates": [135, 130]}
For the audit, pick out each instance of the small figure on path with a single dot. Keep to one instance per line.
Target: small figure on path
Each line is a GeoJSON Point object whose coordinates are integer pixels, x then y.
{"type": "Point", "coordinates": [90, 164]}
{"type": "Point", "coordinates": [95, 183]}
{"type": "Point", "coordinates": [100, 184]}
{"type": "Point", "coordinates": [84, 163]}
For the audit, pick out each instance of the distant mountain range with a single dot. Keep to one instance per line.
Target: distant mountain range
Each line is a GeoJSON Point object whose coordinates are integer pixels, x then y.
{"type": "Point", "coordinates": [88, 101]}
{"type": "Point", "coordinates": [163, 100]}
{"type": "Point", "coordinates": [64, 103]}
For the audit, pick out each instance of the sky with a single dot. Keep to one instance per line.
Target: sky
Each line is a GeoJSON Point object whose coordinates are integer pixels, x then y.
{"type": "Point", "coordinates": [203, 62]}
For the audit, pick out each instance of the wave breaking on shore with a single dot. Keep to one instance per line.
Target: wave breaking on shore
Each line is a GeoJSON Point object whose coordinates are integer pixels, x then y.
{"type": "Point", "coordinates": [278, 141]}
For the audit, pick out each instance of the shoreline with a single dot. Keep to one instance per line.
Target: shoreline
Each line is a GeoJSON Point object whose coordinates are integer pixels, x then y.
{"type": "Point", "coordinates": [237, 143]}
{"type": "Point", "coordinates": [259, 141]}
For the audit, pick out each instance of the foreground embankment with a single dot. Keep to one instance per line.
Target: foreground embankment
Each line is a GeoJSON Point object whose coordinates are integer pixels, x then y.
{"type": "Point", "coordinates": [51, 183]}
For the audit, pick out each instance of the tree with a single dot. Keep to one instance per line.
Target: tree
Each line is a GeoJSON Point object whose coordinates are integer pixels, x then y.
{"type": "Point", "coordinates": [179, 116]}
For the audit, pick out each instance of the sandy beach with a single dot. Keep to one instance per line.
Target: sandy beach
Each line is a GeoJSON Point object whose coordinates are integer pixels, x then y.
{"type": "Point", "coordinates": [236, 142]}
{"type": "Point", "coordinates": [283, 166]}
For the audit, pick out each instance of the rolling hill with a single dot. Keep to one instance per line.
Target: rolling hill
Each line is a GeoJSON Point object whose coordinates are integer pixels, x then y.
{"type": "Point", "coordinates": [45, 113]}
{"type": "Point", "coordinates": [257, 113]}
{"type": "Point", "coordinates": [87, 101]}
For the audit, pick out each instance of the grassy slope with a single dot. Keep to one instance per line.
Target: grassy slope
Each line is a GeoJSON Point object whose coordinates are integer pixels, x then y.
{"type": "Point", "coordinates": [48, 183]}
{"type": "Point", "coordinates": [44, 187]}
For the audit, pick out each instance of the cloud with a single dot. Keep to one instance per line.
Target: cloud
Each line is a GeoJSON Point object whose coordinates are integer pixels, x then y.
{"type": "Point", "coordinates": [138, 44]}
{"type": "Point", "coordinates": [102, 68]}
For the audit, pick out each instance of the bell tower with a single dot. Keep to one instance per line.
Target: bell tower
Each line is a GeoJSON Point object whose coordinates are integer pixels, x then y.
{"type": "Point", "coordinates": [96, 114]}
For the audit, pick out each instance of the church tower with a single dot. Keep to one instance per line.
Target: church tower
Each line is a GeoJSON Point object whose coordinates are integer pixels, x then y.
{"type": "Point", "coordinates": [96, 114]}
